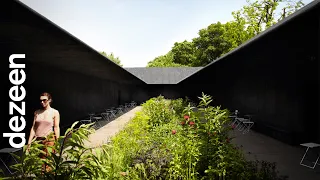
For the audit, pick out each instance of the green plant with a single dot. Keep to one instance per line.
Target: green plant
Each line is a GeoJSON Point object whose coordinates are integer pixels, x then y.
{"type": "Point", "coordinates": [67, 159]}
{"type": "Point", "coordinates": [158, 111]}
{"type": "Point", "coordinates": [168, 139]}
{"type": "Point", "coordinates": [263, 170]}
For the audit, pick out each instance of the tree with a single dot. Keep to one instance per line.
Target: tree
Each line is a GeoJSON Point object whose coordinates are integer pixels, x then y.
{"type": "Point", "coordinates": [164, 61]}
{"type": "Point", "coordinates": [218, 39]}
{"type": "Point", "coordinates": [260, 15]}
{"type": "Point", "coordinates": [112, 58]}
{"type": "Point", "coordinates": [184, 53]}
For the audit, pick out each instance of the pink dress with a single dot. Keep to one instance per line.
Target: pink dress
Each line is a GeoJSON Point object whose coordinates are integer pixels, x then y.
{"type": "Point", "coordinates": [43, 127]}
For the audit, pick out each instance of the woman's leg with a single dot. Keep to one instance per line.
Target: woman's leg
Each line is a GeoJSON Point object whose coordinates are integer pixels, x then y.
{"type": "Point", "coordinates": [48, 144]}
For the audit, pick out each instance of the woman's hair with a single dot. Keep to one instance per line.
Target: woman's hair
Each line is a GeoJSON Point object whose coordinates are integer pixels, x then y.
{"type": "Point", "coordinates": [48, 95]}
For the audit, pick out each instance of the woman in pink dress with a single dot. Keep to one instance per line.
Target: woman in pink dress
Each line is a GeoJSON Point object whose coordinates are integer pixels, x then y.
{"type": "Point", "coordinates": [45, 123]}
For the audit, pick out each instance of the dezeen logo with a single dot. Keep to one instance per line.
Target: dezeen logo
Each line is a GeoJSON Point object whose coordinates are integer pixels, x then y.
{"type": "Point", "coordinates": [17, 93]}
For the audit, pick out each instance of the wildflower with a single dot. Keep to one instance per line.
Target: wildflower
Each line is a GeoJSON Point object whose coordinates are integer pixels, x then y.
{"type": "Point", "coordinates": [183, 122]}
{"type": "Point", "coordinates": [212, 134]}
{"type": "Point", "coordinates": [174, 131]}
{"type": "Point", "coordinates": [186, 117]}
{"type": "Point", "coordinates": [123, 173]}
{"type": "Point", "coordinates": [191, 123]}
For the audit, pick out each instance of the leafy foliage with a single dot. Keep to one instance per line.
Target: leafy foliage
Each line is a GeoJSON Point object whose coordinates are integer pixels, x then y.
{"type": "Point", "coordinates": [112, 58]}
{"type": "Point", "coordinates": [158, 111]}
{"type": "Point", "coordinates": [193, 144]}
{"type": "Point", "coordinates": [67, 159]}
{"type": "Point", "coordinates": [164, 61]}
{"type": "Point", "coordinates": [168, 139]}
{"type": "Point", "coordinates": [218, 38]}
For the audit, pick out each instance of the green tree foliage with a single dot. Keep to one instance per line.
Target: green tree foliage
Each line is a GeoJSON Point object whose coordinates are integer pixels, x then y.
{"type": "Point", "coordinates": [112, 58]}
{"type": "Point", "coordinates": [262, 14]}
{"type": "Point", "coordinates": [218, 38]}
{"type": "Point", "coordinates": [184, 53]}
{"type": "Point", "coordinates": [164, 61]}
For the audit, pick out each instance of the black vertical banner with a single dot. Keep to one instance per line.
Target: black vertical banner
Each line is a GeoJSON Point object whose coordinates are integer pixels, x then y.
{"type": "Point", "coordinates": [16, 115]}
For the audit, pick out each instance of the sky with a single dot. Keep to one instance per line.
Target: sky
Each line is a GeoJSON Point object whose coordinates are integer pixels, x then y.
{"type": "Point", "coordinates": [136, 31]}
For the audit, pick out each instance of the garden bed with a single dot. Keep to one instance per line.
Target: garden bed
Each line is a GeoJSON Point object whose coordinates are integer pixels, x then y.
{"type": "Point", "coordinates": [166, 140]}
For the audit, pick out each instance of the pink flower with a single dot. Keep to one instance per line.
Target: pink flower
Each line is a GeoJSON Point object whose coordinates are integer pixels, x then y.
{"type": "Point", "coordinates": [186, 117]}
{"type": "Point", "coordinates": [174, 131]}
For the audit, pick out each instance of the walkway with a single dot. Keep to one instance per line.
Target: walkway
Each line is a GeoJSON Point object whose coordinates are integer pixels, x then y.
{"type": "Point", "coordinates": [102, 135]}
{"type": "Point", "coordinates": [287, 157]}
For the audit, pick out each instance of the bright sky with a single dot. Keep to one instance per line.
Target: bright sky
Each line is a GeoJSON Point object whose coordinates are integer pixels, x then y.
{"type": "Point", "coordinates": [136, 31]}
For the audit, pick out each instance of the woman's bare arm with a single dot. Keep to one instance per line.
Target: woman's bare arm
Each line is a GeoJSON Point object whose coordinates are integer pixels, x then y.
{"type": "Point", "coordinates": [56, 124]}
{"type": "Point", "coordinates": [32, 132]}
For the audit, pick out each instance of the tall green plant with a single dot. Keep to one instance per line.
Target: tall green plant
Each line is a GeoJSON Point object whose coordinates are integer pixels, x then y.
{"type": "Point", "coordinates": [67, 159]}
{"type": "Point", "coordinates": [158, 111]}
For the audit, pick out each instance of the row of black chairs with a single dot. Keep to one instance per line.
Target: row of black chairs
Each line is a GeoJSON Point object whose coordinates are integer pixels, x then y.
{"type": "Point", "coordinates": [243, 124]}
{"type": "Point", "coordinates": [107, 115]}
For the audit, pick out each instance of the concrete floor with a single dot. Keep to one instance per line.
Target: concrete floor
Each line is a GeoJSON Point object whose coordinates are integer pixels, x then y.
{"type": "Point", "coordinates": [261, 147]}
{"type": "Point", "coordinates": [109, 129]}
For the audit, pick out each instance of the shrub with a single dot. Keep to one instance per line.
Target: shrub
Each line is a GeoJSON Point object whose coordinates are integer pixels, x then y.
{"type": "Point", "coordinates": [158, 111]}
{"type": "Point", "coordinates": [67, 159]}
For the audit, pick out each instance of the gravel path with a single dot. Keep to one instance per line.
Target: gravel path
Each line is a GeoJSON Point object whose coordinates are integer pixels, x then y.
{"type": "Point", "coordinates": [102, 135]}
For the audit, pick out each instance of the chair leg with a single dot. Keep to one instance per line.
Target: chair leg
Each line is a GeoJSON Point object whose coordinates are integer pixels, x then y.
{"type": "Point", "coordinates": [14, 158]}
{"type": "Point", "coordinates": [247, 130]}
{"type": "Point", "coordinates": [316, 162]}
{"type": "Point", "coordinates": [312, 167]}
{"type": "Point", "coordinates": [6, 166]}
{"type": "Point", "coordinates": [304, 156]}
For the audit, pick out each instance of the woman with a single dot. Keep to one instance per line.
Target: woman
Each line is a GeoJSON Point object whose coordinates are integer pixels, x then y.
{"type": "Point", "coordinates": [46, 122]}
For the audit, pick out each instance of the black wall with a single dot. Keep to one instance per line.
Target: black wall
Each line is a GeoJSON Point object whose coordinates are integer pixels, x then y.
{"type": "Point", "coordinates": [169, 91]}
{"type": "Point", "coordinates": [275, 78]}
{"type": "Point", "coordinates": [79, 79]}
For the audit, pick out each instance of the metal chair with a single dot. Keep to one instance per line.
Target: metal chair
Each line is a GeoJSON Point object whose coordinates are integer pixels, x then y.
{"type": "Point", "coordinates": [310, 145]}
{"type": "Point", "coordinates": [119, 110]}
{"type": "Point", "coordinates": [133, 104]}
{"type": "Point", "coordinates": [8, 152]}
{"type": "Point", "coordinates": [127, 106]}
{"type": "Point", "coordinates": [111, 112]}
{"type": "Point", "coordinates": [105, 116]}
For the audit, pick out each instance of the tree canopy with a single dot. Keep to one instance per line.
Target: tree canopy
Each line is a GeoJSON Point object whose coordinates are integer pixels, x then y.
{"type": "Point", "coordinates": [112, 58]}
{"type": "Point", "coordinates": [218, 39]}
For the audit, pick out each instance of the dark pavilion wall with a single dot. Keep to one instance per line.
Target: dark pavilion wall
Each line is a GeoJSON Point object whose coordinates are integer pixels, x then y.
{"type": "Point", "coordinates": [79, 79]}
{"type": "Point", "coordinates": [169, 91]}
{"type": "Point", "coordinates": [318, 81]}
{"type": "Point", "coordinates": [275, 78]}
